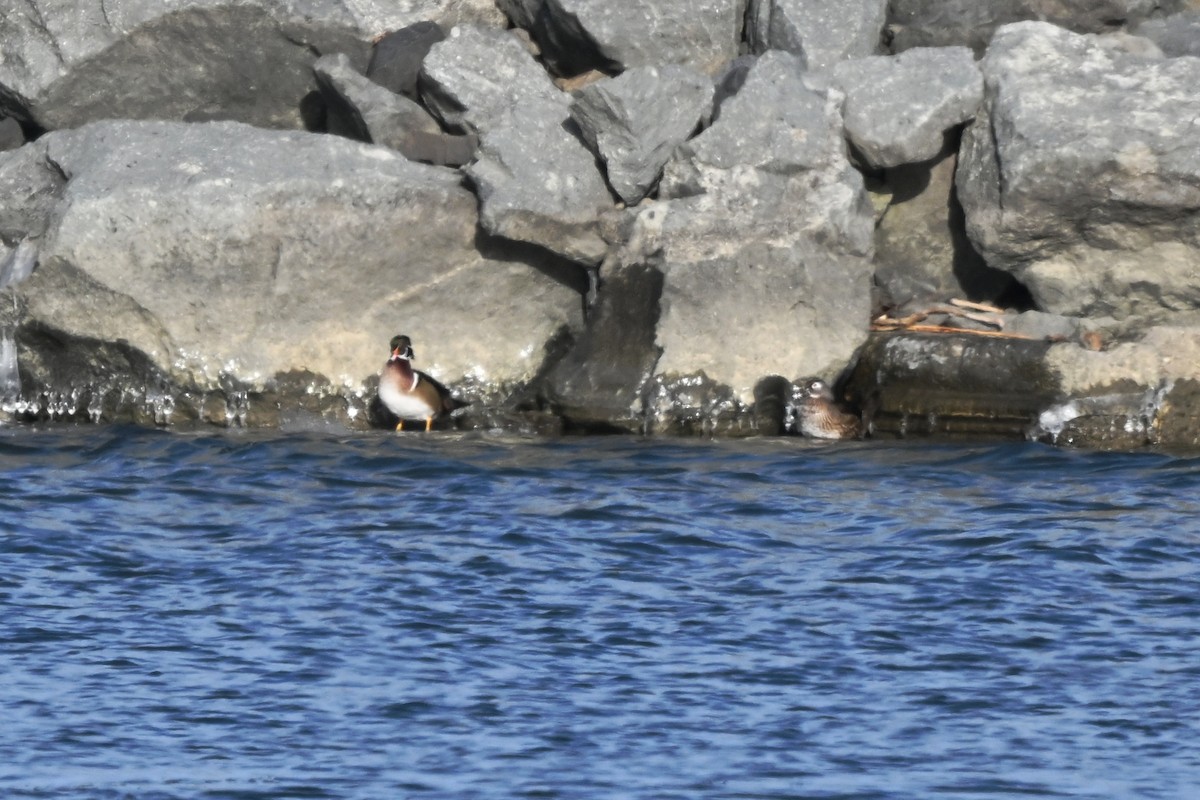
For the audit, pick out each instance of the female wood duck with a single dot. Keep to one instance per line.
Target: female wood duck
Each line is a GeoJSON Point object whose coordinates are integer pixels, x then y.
{"type": "Point", "coordinates": [814, 412]}
{"type": "Point", "coordinates": [409, 393]}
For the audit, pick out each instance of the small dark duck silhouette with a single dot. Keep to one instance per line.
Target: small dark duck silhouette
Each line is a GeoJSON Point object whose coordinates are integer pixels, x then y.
{"type": "Point", "coordinates": [409, 393]}
{"type": "Point", "coordinates": [814, 412]}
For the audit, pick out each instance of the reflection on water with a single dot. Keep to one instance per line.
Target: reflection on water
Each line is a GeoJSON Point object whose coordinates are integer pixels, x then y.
{"type": "Point", "coordinates": [246, 616]}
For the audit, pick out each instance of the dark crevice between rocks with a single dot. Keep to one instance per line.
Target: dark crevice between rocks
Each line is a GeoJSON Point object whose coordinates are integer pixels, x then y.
{"type": "Point", "coordinates": [562, 270]}
{"type": "Point", "coordinates": [979, 281]}
{"type": "Point", "coordinates": [599, 385]}
{"type": "Point", "coordinates": [314, 115]}
{"type": "Point", "coordinates": [567, 47]}
{"type": "Point", "coordinates": [771, 396]}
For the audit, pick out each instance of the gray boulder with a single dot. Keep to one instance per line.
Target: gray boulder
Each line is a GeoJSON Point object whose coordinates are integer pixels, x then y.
{"type": "Point", "coordinates": [821, 32]}
{"type": "Point", "coordinates": [360, 109]}
{"type": "Point", "coordinates": [1081, 174]}
{"type": "Point", "coordinates": [478, 78]}
{"type": "Point", "coordinates": [763, 239]}
{"type": "Point", "coordinates": [899, 109]}
{"type": "Point", "coordinates": [615, 35]}
{"type": "Point", "coordinates": [191, 60]}
{"type": "Point", "coordinates": [70, 64]}
{"type": "Point", "coordinates": [537, 182]}
{"type": "Point", "coordinates": [218, 257]}
{"type": "Point", "coordinates": [1176, 35]}
{"type": "Point", "coordinates": [635, 121]}
{"type": "Point", "coordinates": [773, 138]}
{"type": "Point", "coordinates": [937, 23]}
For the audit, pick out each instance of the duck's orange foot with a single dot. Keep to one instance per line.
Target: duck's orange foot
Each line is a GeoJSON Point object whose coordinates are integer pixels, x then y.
{"type": "Point", "coordinates": [428, 424]}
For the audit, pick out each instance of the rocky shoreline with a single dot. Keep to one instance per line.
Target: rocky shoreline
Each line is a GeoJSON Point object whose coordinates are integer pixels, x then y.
{"type": "Point", "coordinates": [974, 218]}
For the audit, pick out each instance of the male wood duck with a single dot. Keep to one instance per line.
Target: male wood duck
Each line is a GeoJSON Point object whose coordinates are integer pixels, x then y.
{"type": "Point", "coordinates": [814, 412]}
{"type": "Point", "coordinates": [409, 393]}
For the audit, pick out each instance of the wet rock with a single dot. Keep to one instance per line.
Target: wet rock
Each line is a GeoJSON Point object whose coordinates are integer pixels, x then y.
{"type": "Point", "coordinates": [601, 384]}
{"type": "Point", "coordinates": [215, 257]}
{"type": "Point", "coordinates": [936, 23]}
{"type": "Point", "coordinates": [361, 109]}
{"type": "Point", "coordinates": [635, 121]}
{"type": "Point", "coordinates": [1133, 394]}
{"type": "Point", "coordinates": [899, 109]}
{"type": "Point", "coordinates": [763, 238]}
{"type": "Point", "coordinates": [1081, 174]}
{"type": "Point", "coordinates": [820, 32]}
{"type": "Point", "coordinates": [945, 384]}
{"type": "Point", "coordinates": [536, 181]}
{"type": "Point", "coordinates": [396, 58]}
{"type": "Point", "coordinates": [1176, 35]}
{"type": "Point", "coordinates": [616, 35]}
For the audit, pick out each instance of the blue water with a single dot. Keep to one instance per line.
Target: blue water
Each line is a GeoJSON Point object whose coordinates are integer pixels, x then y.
{"type": "Point", "coordinates": [448, 616]}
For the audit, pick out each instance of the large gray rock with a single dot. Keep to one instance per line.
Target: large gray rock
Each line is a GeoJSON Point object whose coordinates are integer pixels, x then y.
{"type": "Point", "coordinates": [936, 23]}
{"type": "Point", "coordinates": [539, 185]}
{"type": "Point", "coordinates": [899, 108]}
{"type": "Point", "coordinates": [361, 109]}
{"type": "Point", "coordinates": [478, 78]}
{"type": "Point", "coordinates": [821, 32]}
{"type": "Point", "coordinates": [635, 121]}
{"type": "Point", "coordinates": [537, 182]}
{"type": "Point", "coordinates": [223, 255]}
{"type": "Point", "coordinates": [1081, 175]}
{"type": "Point", "coordinates": [249, 60]}
{"type": "Point", "coordinates": [615, 35]}
{"type": "Point", "coordinates": [763, 239]}
{"type": "Point", "coordinates": [777, 136]}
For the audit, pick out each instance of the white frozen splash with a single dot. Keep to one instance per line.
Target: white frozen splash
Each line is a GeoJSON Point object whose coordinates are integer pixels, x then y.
{"type": "Point", "coordinates": [18, 264]}
{"type": "Point", "coordinates": [1054, 419]}
{"type": "Point", "coordinates": [10, 376]}
{"type": "Point", "coordinates": [1133, 414]}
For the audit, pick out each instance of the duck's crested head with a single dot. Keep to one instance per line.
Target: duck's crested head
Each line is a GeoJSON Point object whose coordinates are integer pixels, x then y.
{"type": "Point", "coordinates": [401, 347]}
{"type": "Point", "coordinates": [816, 389]}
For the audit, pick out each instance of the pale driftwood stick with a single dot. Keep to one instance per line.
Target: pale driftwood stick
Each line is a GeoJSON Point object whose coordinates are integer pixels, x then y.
{"type": "Point", "coordinates": [975, 306]}
{"type": "Point", "coordinates": [946, 329]}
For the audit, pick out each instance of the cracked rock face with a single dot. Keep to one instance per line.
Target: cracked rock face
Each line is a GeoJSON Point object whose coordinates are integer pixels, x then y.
{"type": "Point", "coordinates": [1081, 174]}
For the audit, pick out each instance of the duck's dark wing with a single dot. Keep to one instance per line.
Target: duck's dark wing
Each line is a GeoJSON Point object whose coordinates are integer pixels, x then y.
{"type": "Point", "coordinates": [449, 403]}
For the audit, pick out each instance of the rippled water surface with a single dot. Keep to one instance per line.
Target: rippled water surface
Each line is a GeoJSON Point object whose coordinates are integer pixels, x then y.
{"type": "Point", "coordinates": [438, 616]}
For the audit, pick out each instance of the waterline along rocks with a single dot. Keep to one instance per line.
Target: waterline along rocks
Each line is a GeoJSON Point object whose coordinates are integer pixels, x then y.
{"type": "Point", "coordinates": [977, 218]}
